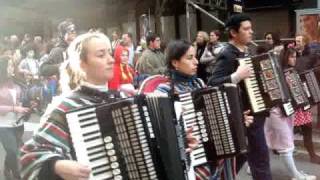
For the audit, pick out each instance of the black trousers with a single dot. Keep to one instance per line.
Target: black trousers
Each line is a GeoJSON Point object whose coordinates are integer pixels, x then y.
{"type": "Point", "coordinates": [258, 153]}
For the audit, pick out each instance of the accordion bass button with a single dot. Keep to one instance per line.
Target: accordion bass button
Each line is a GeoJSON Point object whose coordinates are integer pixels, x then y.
{"type": "Point", "coordinates": [205, 139]}
{"type": "Point", "coordinates": [118, 178]}
{"type": "Point", "coordinates": [109, 146]}
{"type": "Point", "coordinates": [201, 122]}
{"type": "Point", "coordinates": [203, 131]}
{"type": "Point", "coordinates": [204, 135]}
{"type": "Point", "coordinates": [116, 171]}
{"type": "Point", "coordinates": [113, 158]}
{"type": "Point", "coordinates": [107, 139]}
{"type": "Point", "coordinates": [114, 165]}
{"type": "Point", "coordinates": [111, 152]}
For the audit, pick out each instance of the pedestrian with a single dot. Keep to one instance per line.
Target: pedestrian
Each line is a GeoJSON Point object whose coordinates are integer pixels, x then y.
{"type": "Point", "coordinates": [303, 119]}
{"type": "Point", "coordinates": [279, 128]}
{"type": "Point", "coordinates": [182, 69]}
{"type": "Point", "coordinates": [152, 60]}
{"type": "Point", "coordinates": [227, 70]}
{"type": "Point", "coordinates": [200, 45]}
{"type": "Point", "coordinates": [11, 129]}
{"type": "Point", "coordinates": [211, 52]}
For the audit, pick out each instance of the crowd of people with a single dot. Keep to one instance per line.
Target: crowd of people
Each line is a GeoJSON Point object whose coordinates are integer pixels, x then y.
{"type": "Point", "coordinates": [34, 72]}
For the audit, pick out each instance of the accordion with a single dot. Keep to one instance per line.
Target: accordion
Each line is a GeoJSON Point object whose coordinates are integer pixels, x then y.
{"type": "Point", "coordinates": [217, 120]}
{"type": "Point", "coordinates": [310, 80]}
{"type": "Point", "coordinates": [266, 87]}
{"type": "Point", "coordinates": [297, 91]}
{"type": "Point", "coordinates": [132, 139]}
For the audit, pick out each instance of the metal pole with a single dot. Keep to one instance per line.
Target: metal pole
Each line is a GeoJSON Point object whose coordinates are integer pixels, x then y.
{"type": "Point", "coordinates": [188, 20]}
{"type": "Point", "coordinates": [149, 20]}
{"type": "Point", "coordinates": [205, 12]}
{"type": "Point", "coordinates": [208, 14]}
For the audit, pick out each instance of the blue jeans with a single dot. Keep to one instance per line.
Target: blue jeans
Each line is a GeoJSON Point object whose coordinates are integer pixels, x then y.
{"type": "Point", "coordinates": [258, 154]}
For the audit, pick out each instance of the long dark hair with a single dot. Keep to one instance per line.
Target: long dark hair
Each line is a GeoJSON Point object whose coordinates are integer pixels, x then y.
{"type": "Point", "coordinates": [175, 50]}
{"type": "Point", "coordinates": [275, 37]}
{"type": "Point", "coordinates": [285, 54]}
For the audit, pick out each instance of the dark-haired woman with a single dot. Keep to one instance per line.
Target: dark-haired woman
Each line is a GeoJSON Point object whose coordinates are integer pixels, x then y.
{"type": "Point", "coordinates": [279, 128]}
{"type": "Point", "coordinates": [182, 65]}
{"type": "Point", "coordinates": [10, 109]}
{"type": "Point", "coordinates": [273, 41]}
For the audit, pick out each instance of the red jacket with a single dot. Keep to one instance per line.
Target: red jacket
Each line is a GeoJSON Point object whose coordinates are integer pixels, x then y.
{"type": "Point", "coordinates": [122, 74]}
{"type": "Point", "coordinates": [114, 84]}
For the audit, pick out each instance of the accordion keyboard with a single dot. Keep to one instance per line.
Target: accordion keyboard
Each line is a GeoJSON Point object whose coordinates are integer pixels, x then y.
{"type": "Point", "coordinates": [99, 153]}
{"type": "Point", "coordinates": [252, 87]}
{"type": "Point", "coordinates": [194, 120]}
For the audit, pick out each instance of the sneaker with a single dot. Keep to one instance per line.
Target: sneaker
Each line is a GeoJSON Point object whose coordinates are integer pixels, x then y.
{"type": "Point", "coordinates": [305, 177]}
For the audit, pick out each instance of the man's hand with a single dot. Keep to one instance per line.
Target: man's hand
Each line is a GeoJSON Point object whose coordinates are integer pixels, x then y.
{"type": "Point", "coordinates": [243, 72]}
{"type": "Point", "coordinates": [248, 120]}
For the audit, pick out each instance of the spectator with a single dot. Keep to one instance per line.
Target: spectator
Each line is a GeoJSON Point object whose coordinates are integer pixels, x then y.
{"type": "Point", "coordinates": [200, 45]}
{"type": "Point", "coordinates": [127, 42]}
{"type": "Point", "coordinates": [27, 39]}
{"type": "Point", "coordinates": [115, 40]}
{"type": "Point", "coordinates": [273, 42]}
{"type": "Point", "coordinates": [10, 110]}
{"type": "Point", "coordinates": [152, 60]}
{"type": "Point", "coordinates": [67, 32]}
{"type": "Point", "coordinates": [29, 66]}
{"type": "Point", "coordinates": [211, 51]}
{"type": "Point", "coordinates": [126, 75]}
{"type": "Point", "coordinates": [303, 119]}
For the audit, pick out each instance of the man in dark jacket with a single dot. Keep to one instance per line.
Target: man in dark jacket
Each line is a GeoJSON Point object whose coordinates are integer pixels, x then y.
{"type": "Point", "coordinates": [227, 70]}
{"type": "Point", "coordinates": [67, 33]}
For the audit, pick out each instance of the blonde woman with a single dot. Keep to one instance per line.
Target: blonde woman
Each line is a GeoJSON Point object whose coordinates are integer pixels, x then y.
{"type": "Point", "coordinates": [200, 45]}
{"type": "Point", "coordinates": [48, 155]}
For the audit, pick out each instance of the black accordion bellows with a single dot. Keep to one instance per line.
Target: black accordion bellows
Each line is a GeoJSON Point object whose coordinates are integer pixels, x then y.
{"type": "Point", "coordinates": [311, 81]}
{"type": "Point", "coordinates": [216, 117]}
{"type": "Point", "coordinates": [266, 87]}
{"type": "Point", "coordinates": [299, 98]}
{"type": "Point", "coordinates": [132, 139]}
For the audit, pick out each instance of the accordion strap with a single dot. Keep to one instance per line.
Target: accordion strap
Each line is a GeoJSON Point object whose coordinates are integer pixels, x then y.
{"type": "Point", "coordinates": [94, 95]}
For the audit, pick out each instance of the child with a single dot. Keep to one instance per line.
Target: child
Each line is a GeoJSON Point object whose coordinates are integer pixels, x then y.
{"type": "Point", "coordinates": [279, 128]}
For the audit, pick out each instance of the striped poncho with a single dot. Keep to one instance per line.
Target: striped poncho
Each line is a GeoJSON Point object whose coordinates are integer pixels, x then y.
{"type": "Point", "coordinates": [52, 141]}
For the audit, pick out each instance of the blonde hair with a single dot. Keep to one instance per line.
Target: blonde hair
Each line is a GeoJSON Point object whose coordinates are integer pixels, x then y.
{"type": "Point", "coordinates": [205, 35]}
{"type": "Point", "coordinates": [71, 74]}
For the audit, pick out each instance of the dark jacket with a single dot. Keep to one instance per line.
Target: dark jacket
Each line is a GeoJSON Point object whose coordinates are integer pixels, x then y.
{"type": "Point", "coordinates": [308, 59]}
{"type": "Point", "coordinates": [51, 65]}
{"type": "Point", "coordinates": [226, 65]}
